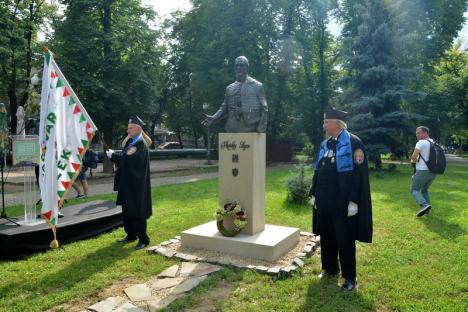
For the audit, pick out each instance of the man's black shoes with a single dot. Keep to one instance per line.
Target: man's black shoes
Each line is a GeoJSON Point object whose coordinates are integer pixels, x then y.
{"type": "Point", "coordinates": [424, 209]}
{"type": "Point", "coordinates": [141, 245]}
{"type": "Point", "coordinates": [349, 284]}
{"type": "Point", "coordinates": [125, 240]}
{"type": "Point", "coordinates": [326, 273]}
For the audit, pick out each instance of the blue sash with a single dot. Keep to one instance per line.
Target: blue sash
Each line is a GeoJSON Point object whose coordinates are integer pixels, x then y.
{"type": "Point", "coordinates": [344, 152]}
{"type": "Point", "coordinates": [133, 141]}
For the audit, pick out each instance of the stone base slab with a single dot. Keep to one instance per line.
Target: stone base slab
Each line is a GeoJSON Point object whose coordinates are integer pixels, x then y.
{"type": "Point", "coordinates": [269, 244]}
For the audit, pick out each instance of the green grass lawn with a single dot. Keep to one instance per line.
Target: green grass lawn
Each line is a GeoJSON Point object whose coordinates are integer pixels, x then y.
{"type": "Point", "coordinates": [414, 264]}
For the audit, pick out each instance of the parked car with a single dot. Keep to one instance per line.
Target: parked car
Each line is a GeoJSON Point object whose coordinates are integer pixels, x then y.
{"type": "Point", "coordinates": [170, 145]}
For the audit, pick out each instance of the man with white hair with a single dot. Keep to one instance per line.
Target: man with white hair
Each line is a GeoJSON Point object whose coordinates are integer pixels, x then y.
{"type": "Point", "coordinates": [133, 183]}
{"type": "Point", "coordinates": [340, 195]}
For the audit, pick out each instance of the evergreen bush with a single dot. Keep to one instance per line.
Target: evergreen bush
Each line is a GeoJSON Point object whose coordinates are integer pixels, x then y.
{"type": "Point", "coordinates": [298, 184]}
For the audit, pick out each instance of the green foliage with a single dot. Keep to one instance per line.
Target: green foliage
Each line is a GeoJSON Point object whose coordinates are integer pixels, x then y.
{"type": "Point", "coordinates": [298, 184]}
{"type": "Point", "coordinates": [20, 50]}
{"type": "Point", "coordinates": [108, 52]}
{"type": "Point", "coordinates": [448, 94]}
{"type": "Point", "coordinates": [392, 168]}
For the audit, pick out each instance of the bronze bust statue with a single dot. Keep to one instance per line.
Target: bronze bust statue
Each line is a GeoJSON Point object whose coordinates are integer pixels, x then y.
{"type": "Point", "coordinates": [244, 103]}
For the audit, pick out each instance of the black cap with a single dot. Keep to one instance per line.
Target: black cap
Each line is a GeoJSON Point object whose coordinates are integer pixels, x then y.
{"type": "Point", "coordinates": [332, 113]}
{"type": "Point", "coordinates": [136, 120]}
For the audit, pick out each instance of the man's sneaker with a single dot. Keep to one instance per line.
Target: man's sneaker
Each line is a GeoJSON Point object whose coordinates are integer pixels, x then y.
{"type": "Point", "coordinates": [80, 196]}
{"type": "Point", "coordinates": [60, 215]}
{"type": "Point", "coordinates": [424, 209]}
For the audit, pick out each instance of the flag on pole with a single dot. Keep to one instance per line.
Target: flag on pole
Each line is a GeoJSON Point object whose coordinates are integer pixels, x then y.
{"type": "Point", "coordinates": [65, 131]}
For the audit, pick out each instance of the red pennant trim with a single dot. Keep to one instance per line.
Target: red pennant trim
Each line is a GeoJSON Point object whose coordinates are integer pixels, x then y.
{"type": "Point", "coordinates": [53, 75]}
{"type": "Point", "coordinates": [75, 166]}
{"type": "Point", "coordinates": [47, 215]}
{"type": "Point", "coordinates": [65, 184]}
{"type": "Point", "coordinates": [80, 150]}
{"type": "Point", "coordinates": [66, 92]}
{"type": "Point", "coordinates": [76, 110]}
{"type": "Point", "coordinates": [88, 126]}
{"type": "Point", "coordinates": [90, 135]}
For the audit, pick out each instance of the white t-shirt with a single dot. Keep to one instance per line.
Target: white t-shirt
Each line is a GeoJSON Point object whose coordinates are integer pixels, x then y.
{"type": "Point", "coordinates": [423, 146]}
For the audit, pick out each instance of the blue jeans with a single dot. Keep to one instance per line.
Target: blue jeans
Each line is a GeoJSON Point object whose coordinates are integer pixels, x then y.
{"type": "Point", "coordinates": [420, 183]}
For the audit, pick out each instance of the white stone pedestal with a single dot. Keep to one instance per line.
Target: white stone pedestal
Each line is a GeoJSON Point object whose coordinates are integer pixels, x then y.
{"type": "Point", "coordinates": [242, 178]}
{"type": "Point", "coordinates": [269, 244]}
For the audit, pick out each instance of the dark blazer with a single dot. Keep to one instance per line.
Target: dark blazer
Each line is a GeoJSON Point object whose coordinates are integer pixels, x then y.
{"type": "Point", "coordinates": [132, 180]}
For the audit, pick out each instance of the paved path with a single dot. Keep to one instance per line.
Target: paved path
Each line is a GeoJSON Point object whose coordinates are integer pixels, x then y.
{"type": "Point", "coordinates": [102, 183]}
{"type": "Point", "coordinates": [456, 160]}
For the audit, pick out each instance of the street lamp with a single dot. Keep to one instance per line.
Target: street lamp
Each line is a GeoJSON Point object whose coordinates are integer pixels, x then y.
{"type": "Point", "coordinates": [35, 80]}
{"type": "Point", "coordinates": [206, 106]}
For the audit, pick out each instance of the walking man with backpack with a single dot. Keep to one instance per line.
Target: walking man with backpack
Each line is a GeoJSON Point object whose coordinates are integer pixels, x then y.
{"type": "Point", "coordinates": [423, 177]}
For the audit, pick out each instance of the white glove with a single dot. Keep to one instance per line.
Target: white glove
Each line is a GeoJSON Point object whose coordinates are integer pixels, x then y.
{"type": "Point", "coordinates": [352, 209]}
{"type": "Point", "coordinates": [109, 153]}
{"type": "Point", "coordinates": [312, 202]}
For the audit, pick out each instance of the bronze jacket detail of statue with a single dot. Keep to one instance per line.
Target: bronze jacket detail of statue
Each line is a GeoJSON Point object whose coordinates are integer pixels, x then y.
{"type": "Point", "coordinates": [245, 106]}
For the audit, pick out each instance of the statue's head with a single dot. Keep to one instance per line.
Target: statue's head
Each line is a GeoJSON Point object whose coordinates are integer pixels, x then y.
{"type": "Point", "coordinates": [241, 66]}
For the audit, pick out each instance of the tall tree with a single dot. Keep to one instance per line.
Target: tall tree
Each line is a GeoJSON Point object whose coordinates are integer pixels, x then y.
{"type": "Point", "coordinates": [19, 24]}
{"type": "Point", "coordinates": [447, 101]}
{"type": "Point", "coordinates": [375, 86]}
{"type": "Point", "coordinates": [110, 54]}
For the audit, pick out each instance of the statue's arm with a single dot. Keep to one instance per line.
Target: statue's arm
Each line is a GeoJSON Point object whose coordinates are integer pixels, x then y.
{"type": "Point", "coordinates": [218, 115]}
{"type": "Point", "coordinates": [262, 124]}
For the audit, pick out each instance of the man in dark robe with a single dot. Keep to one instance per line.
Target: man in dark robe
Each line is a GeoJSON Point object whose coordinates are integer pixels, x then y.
{"type": "Point", "coordinates": [133, 183]}
{"type": "Point", "coordinates": [340, 195]}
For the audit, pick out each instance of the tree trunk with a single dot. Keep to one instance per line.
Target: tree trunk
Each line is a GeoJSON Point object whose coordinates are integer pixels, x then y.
{"type": "Point", "coordinates": [12, 94]}
{"type": "Point", "coordinates": [108, 166]}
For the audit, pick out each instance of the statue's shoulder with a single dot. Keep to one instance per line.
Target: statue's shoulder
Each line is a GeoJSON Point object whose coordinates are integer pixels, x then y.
{"type": "Point", "coordinates": [233, 86]}
{"type": "Point", "coordinates": [253, 81]}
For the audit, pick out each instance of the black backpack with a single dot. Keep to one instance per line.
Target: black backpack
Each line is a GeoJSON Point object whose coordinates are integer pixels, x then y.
{"type": "Point", "coordinates": [436, 162]}
{"type": "Point", "coordinates": [90, 159]}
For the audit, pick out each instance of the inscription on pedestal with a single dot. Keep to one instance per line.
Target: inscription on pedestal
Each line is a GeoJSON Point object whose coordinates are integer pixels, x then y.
{"type": "Point", "coordinates": [242, 175]}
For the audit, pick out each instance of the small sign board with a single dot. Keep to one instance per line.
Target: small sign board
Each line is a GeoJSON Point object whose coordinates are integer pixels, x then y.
{"type": "Point", "coordinates": [25, 150]}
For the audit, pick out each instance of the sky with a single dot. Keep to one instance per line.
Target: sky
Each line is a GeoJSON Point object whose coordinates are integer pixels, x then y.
{"type": "Point", "coordinates": [164, 7]}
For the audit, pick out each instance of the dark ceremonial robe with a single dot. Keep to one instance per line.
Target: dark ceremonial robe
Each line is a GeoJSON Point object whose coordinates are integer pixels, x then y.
{"type": "Point", "coordinates": [132, 180]}
{"type": "Point", "coordinates": [352, 184]}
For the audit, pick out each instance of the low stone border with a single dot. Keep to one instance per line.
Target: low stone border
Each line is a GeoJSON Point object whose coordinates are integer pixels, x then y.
{"type": "Point", "coordinates": [313, 241]}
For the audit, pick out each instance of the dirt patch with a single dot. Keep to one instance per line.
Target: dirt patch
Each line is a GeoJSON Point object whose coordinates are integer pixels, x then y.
{"type": "Point", "coordinates": [209, 301]}
{"type": "Point", "coordinates": [116, 289]}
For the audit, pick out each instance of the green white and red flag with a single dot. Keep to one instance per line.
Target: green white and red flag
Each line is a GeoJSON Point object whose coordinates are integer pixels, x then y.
{"type": "Point", "coordinates": [65, 132]}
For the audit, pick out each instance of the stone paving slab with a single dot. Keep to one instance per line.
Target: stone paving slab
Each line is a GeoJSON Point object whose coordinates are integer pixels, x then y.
{"type": "Point", "coordinates": [138, 292]}
{"type": "Point", "coordinates": [188, 285]}
{"type": "Point", "coordinates": [162, 303]}
{"type": "Point", "coordinates": [169, 272]}
{"type": "Point", "coordinates": [128, 307]}
{"type": "Point", "coordinates": [163, 283]}
{"type": "Point", "coordinates": [106, 305]}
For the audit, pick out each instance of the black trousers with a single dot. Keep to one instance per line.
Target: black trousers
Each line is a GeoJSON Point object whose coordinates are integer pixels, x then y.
{"type": "Point", "coordinates": [136, 228]}
{"type": "Point", "coordinates": [337, 243]}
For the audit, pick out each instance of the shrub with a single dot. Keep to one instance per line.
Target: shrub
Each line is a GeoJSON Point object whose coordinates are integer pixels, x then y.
{"type": "Point", "coordinates": [392, 168]}
{"type": "Point", "coordinates": [298, 184]}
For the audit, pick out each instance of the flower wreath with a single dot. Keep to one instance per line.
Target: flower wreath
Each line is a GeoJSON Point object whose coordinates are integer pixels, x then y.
{"type": "Point", "coordinates": [240, 218]}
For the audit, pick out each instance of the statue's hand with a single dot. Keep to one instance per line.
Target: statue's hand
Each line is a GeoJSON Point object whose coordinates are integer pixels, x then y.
{"type": "Point", "coordinates": [207, 121]}
{"type": "Point", "coordinates": [261, 128]}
